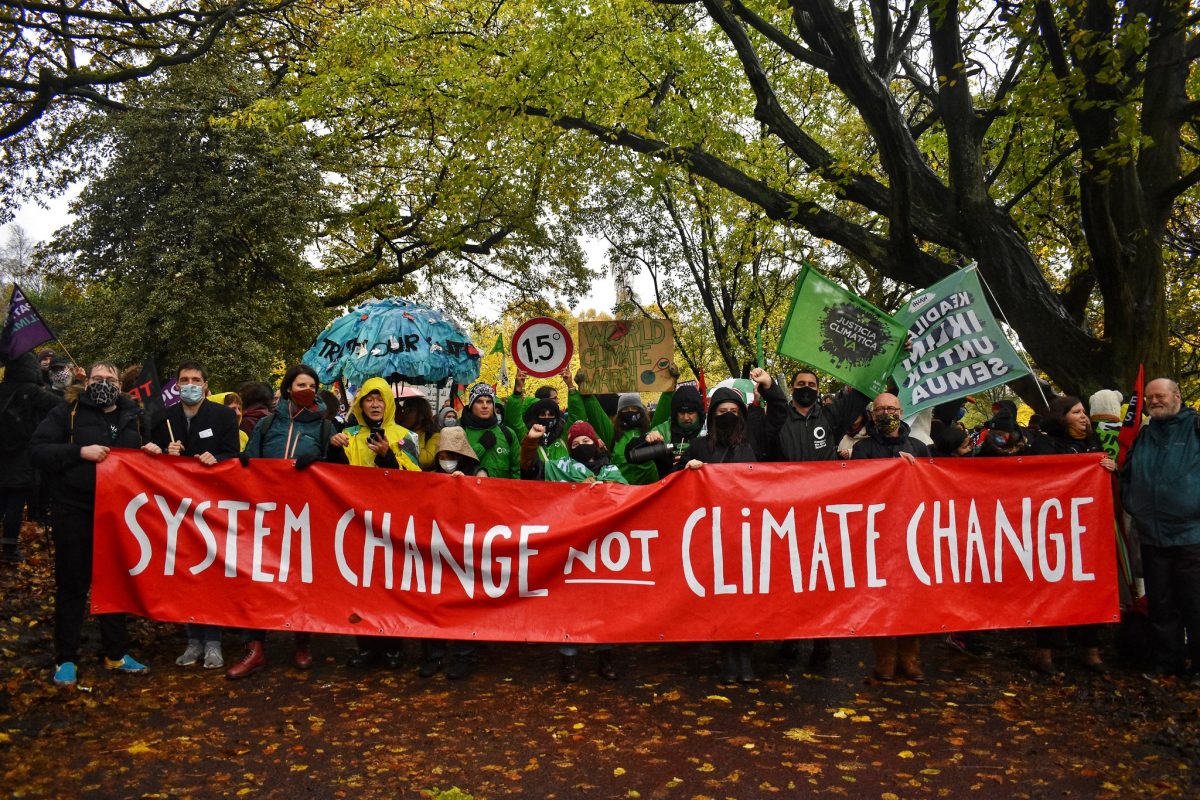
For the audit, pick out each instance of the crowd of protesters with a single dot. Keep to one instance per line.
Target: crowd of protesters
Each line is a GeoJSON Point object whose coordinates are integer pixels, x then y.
{"type": "Point", "coordinates": [57, 422]}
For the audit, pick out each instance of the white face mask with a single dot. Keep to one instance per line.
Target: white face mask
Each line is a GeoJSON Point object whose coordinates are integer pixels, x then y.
{"type": "Point", "coordinates": [448, 464]}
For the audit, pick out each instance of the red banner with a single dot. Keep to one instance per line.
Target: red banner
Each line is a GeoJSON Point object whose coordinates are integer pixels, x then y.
{"type": "Point", "coordinates": [768, 551]}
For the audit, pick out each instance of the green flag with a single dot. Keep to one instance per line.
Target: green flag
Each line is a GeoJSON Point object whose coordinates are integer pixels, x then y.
{"type": "Point", "coordinates": [958, 347]}
{"type": "Point", "coordinates": [498, 347]}
{"type": "Point", "coordinates": [833, 330]}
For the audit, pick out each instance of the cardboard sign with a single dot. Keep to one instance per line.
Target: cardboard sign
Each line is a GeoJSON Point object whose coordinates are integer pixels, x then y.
{"type": "Point", "coordinates": [625, 355]}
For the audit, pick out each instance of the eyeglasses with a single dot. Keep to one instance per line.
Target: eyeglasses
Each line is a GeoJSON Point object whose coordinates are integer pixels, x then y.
{"type": "Point", "coordinates": [110, 381]}
{"type": "Point", "coordinates": [888, 409]}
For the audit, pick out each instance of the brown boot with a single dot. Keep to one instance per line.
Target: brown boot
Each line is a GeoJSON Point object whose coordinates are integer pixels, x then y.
{"type": "Point", "coordinates": [1092, 661]}
{"type": "Point", "coordinates": [909, 650]}
{"type": "Point", "coordinates": [885, 657]}
{"type": "Point", "coordinates": [1043, 661]}
{"type": "Point", "coordinates": [302, 657]}
{"type": "Point", "coordinates": [251, 662]}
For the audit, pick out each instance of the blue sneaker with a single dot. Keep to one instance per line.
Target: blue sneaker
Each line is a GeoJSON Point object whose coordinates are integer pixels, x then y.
{"type": "Point", "coordinates": [64, 674]}
{"type": "Point", "coordinates": [125, 663]}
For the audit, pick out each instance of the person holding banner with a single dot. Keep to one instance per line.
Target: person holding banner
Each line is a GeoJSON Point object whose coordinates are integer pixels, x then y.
{"type": "Point", "coordinates": [809, 430]}
{"type": "Point", "coordinates": [1160, 488]}
{"type": "Point", "coordinates": [1066, 429]}
{"type": "Point", "coordinates": [208, 432]}
{"type": "Point", "coordinates": [297, 429]}
{"type": "Point", "coordinates": [376, 440]}
{"type": "Point", "coordinates": [586, 461]}
{"type": "Point", "coordinates": [496, 445]}
{"type": "Point", "coordinates": [889, 439]}
{"type": "Point", "coordinates": [68, 444]}
{"type": "Point", "coordinates": [727, 441]}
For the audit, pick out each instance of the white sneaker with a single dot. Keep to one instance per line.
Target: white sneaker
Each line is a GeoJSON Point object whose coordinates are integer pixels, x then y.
{"type": "Point", "coordinates": [212, 656]}
{"type": "Point", "coordinates": [191, 655]}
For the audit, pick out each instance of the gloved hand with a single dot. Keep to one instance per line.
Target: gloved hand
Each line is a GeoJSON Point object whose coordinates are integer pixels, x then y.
{"type": "Point", "coordinates": [243, 459]}
{"type": "Point", "coordinates": [307, 460]}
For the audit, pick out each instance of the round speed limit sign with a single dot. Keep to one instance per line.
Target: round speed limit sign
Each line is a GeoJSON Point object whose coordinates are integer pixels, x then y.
{"type": "Point", "coordinates": [542, 347]}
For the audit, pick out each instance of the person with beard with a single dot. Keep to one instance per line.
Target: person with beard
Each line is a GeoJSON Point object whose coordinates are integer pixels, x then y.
{"type": "Point", "coordinates": [584, 460]}
{"type": "Point", "coordinates": [68, 444]}
{"type": "Point", "coordinates": [375, 439]}
{"type": "Point", "coordinates": [1160, 489]}
{"type": "Point", "coordinates": [494, 443]}
{"type": "Point", "coordinates": [1066, 429]}
{"type": "Point", "coordinates": [727, 441]}
{"type": "Point", "coordinates": [23, 406]}
{"type": "Point", "coordinates": [298, 429]}
{"type": "Point", "coordinates": [889, 438]}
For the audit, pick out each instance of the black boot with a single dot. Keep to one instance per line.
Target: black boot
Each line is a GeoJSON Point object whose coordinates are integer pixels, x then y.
{"type": "Point", "coordinates": [605, 668]}
{"type": "Point", "coordinates": [363, 659]}
{"type": "Point", "coordinates": [729, 663]}
{"type": "Point", "coordinates": [745, 666]}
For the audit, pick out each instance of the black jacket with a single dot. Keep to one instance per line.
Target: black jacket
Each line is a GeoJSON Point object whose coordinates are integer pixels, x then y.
{"type": "Point", "coordinates": [23, 406]}
{"type": "Point", "coordinates": [880, 446]}
{"type": "Point", "coordinates": [68, 429]}
{"type": "Point", "coordinates": [214, 429]}
{"type": "Point", "coordinates": [1054, 440]}
{"type": "Point", "coordinates": [706, 449]}
{"type": "Point", "coordinates": [813, 436]}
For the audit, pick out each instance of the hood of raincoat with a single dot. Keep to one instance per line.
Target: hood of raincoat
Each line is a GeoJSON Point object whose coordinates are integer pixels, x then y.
{"type": "Point", "coordinates": [389, 402]}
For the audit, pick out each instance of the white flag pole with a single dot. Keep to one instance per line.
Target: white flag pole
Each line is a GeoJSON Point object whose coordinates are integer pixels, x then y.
{"type": "Point", "coordinates": [975, 266]}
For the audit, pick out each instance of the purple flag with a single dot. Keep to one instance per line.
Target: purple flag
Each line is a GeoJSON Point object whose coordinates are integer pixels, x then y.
{"type": "Point", "coordinates": [24, 328]}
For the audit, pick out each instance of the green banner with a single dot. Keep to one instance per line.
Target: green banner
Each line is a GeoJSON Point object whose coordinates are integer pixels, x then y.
{"type": "Point", "coordinates": [832, 330]}
{"type": "Point", "coordinates": [957, 345]}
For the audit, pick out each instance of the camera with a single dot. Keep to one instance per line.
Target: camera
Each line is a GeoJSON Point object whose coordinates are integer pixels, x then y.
{"type": "Point", "coordinates": [653, 452]}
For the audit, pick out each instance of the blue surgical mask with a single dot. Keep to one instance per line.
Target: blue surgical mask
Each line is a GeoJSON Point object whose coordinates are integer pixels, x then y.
{"type": "Point", "coordinates": [191, 393]}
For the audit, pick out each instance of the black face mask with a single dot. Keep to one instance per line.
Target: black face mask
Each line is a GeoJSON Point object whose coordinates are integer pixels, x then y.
{"type": "Point", "coordinates": [725, 422]}
{"type": "Point", "coordinates": [631, 419]}
{"type": "Point", "coordinates": [585, 453]}
{"type": "Point", "coordinates": [552, 426]}
{"type": "Point", "coordinates": [804, 396]}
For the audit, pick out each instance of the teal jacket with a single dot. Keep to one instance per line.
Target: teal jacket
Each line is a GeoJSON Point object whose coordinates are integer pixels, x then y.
{"type": "Point", "coordinates": [278, 436]}
{"type": "Point", "coordinates": [1160, 481]}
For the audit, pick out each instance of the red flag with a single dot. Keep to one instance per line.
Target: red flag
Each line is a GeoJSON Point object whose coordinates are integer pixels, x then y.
{"type": "Point", "coordinates": [702, 387]}
{"type": "Point", "coordinates": [1133, 416]}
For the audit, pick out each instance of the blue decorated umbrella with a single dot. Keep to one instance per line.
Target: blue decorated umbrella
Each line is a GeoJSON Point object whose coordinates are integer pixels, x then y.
{"type": "Point", "coordinates": [397, 340]}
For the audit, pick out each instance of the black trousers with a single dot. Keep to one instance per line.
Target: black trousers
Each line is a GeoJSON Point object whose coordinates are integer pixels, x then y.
{"type": "Point", "coordinates": [72, 529]}
{"type": "Point", "coordinates": [1173, 591]}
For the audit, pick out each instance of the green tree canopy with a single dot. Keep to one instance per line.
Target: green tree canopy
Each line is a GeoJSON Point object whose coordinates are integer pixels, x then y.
{"type": "Point", "coordinates": [190, 241]}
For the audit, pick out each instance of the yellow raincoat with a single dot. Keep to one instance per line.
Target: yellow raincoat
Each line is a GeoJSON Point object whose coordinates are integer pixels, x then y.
{"type": "Point", "coordinates": [403, 443]}
{"type": "Point", "coordinates": [243, 437]}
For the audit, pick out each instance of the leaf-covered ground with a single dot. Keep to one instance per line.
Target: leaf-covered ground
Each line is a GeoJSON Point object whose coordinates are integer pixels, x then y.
{"type": "Point", "coordinates": [982, 727]}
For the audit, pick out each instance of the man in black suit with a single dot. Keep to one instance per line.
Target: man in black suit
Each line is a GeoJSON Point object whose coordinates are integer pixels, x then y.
{"type": "Point", "coordinates": [208, 432]}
